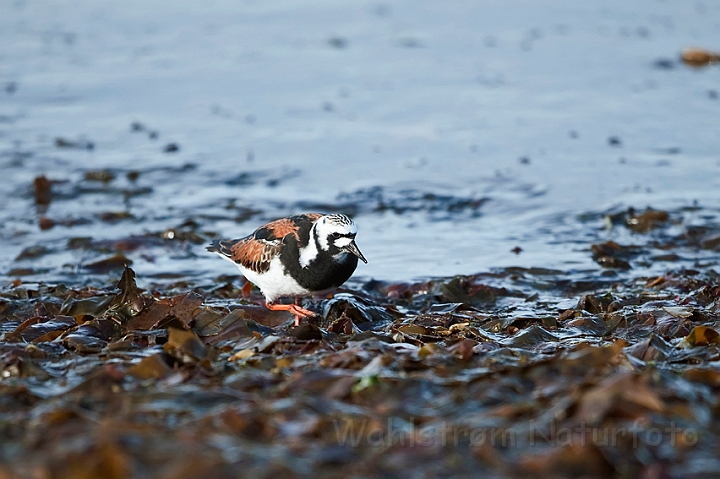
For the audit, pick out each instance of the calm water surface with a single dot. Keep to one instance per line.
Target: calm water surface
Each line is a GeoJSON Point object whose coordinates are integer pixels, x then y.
{"type": "Point", "coordinates": [452, 131]}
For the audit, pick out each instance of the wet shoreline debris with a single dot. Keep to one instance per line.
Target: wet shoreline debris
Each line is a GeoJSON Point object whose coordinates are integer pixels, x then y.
{"type": "Point", "coordinates": [491, 373]}
{"type": "Point", "coordinates": [609, 371]}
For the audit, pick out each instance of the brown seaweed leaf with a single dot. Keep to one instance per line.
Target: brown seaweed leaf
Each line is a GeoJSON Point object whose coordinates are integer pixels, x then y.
{"type": "Point", "coordinates": [187, 348]}
{"type": "Point", "coordinates": [624, 391]}
{"type": "Point", "coordinates": [647, 220]}
{"type": "Point", "coordinates": [129, 302]}
{"type": "Point", "coordinates": [151, 367]}
{"type": "Point", "coordinates": [613, 255]}
{"type": "Point", "coordinates": [226, 395]}
{"type": "Point", "coordinates": [573, 460]}
{"type": "Point", "coordinates": [358, 310]}
{"type": "Point", "coordinates": [214, 327]}
{"type": "Point", "coordinates": [40, 329]}
{"type": "Point", "coordinates": [94, 306]}
{"type": "Point", "coordinates": [107, 460]}
{"type": "Point", "coordinates": [468, 291]}
{"type": "Point", "coordinates": [700, 336]}
{"type": "Point", "coordinates": [184, 307]}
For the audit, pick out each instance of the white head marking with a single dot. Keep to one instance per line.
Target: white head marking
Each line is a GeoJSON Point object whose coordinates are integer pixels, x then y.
{"type": "Point", "coordinates": [337, 229]}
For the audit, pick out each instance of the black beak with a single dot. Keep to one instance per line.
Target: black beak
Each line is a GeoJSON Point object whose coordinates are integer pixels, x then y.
{"type": "Point", "coordinates": [352, 248]}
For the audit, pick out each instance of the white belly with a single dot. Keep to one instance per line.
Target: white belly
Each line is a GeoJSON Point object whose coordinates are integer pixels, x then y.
{"type": "Point", "coordinates": [274, 283]}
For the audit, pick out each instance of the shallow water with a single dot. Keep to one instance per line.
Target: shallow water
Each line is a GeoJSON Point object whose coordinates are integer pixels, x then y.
{"type": "Point", "coordinates": [452, 132]}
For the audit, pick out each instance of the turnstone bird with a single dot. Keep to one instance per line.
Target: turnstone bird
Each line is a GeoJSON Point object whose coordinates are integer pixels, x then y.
{"type": "Point", "coordinates": [295, 256]}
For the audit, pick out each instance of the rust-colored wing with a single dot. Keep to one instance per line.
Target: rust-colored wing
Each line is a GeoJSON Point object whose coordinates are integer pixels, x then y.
{"type": "Point", "coordinates": [255, 254]}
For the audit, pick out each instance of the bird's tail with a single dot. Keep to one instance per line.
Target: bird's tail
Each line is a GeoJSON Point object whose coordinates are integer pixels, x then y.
{"type": "Point", "coordinates": [222, 247]}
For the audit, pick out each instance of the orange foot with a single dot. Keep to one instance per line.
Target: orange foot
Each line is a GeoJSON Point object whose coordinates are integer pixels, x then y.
{"type": "Point", "coordinates": [293, 308]}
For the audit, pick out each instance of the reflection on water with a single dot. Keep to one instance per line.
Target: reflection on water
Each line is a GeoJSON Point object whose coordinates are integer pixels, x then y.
{"type": "Point", "coordinates": [461, 139]}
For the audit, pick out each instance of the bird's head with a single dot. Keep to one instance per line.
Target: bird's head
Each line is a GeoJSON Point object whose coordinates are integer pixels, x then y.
{"type": "Point", "coordinates": [336, 234]}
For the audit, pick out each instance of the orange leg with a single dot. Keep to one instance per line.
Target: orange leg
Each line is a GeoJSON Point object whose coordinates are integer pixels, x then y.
{"type": "Point", "coordinates": [246, 289]}
{"type": "Point", "coordinates": [293, 308]}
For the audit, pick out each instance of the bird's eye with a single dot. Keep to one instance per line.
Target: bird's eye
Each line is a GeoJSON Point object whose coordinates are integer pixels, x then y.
{"type": "Point", "coordinates": [335, 236]}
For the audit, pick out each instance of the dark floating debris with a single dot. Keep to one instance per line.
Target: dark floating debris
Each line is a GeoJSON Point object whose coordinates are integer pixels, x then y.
{"type": "Point", "coordinates": [79, 144]}
{"type": "Point", "coordinates": [411, 43]}
{"type": "Point", "coordinates": [613, 255]}
{"type": "Point", "coordinates": [171, 148]}
{"type": "Point", "coordinates": [647, 220]}
{"type": "Point", "coordinates": [42, 188]}
{"type": "Point", "coordinates": [114, 216]}
{"type": "Point", "coordinates": [643, 222]}
{"type": "Point", "coordinates": [137, 127]}
{"type": "Point", "coordinates": [378, 199]}
{"type": "Point", "coordinates": [338, 42]}
{"type": "Point", "coordinates": [270, 178]}
{"type": "Point", "coordinates": [102, 176]}
{"type": "Point", "coordinates": [664, 64]}
{"type": "Point", "coordinates": [45, 223]}
{"type": "Point", "coordinates": [32, 252]}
